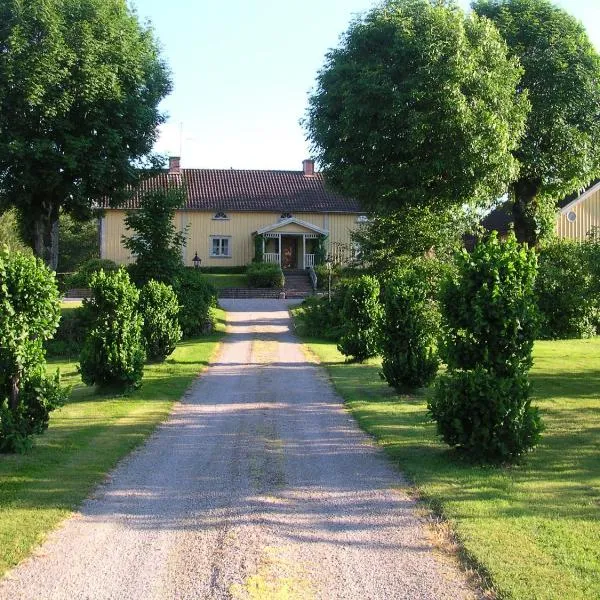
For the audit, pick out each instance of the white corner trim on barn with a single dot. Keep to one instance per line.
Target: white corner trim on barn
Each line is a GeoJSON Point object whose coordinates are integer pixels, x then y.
{"type": "Point", "coordinates": [581, 198]}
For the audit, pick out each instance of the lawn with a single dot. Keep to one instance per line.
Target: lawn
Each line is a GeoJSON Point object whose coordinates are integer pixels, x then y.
{"type": "Point", "coordinates": [85, 440]}
{"type": "Point", "coordinates": [532, 530]}
{"type": "Point", "coordinates": [70, 304]}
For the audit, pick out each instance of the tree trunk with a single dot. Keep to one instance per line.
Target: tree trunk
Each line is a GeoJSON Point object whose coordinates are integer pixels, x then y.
{"type": "Point", "coordinates": [45, 235]}
{"type": "Point", "coordinates": [14, 393]}
{"type": "Point", "coordinates": [525, 207]}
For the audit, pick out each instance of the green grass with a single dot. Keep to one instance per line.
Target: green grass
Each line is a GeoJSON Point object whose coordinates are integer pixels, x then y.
{"type": "Point", "coordinates": [227, 280]}
{"type": "Point", "coordinates": [533, 530]}
{"type": "Point", "coordinates": [70, 304]}
{"type": "Point", "coordinates": [86, 439]}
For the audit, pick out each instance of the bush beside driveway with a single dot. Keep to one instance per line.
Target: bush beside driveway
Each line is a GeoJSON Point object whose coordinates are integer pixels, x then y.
{"type": "Point", "coordinates": [85, 440]}
{"type": "Point", "coordinates": [533, 529]}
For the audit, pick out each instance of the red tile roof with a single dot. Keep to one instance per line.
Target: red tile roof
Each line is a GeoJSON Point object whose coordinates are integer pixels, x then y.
{"type": "Point", "coordinates": [237, 190]}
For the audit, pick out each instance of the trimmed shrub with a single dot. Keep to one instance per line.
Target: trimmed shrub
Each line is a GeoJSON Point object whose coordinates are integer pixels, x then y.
{"type": "Point", "coordinates": [361, 315]}
{"type": "Point", "coordinates": [159, 308]}
{"type": "Point", "coordinates": [197, 297]}
{"type": "Point", "coordinates": [70, 334]}
{"type": "Point", "coordinates": [320, 318]}
{"type": "Point", "coordinates": [83, 276]}
{"type": "Point", "coordinates": [488, 417]}
{"type": "Point", "coordinates": [265, 275]}
{"type": "Point", "coordinates": [29, 315]}
{"type": "Point", "coordinates": [482, 405]}
{"type": "Point", "coordinates": [566, 290]}
{"type": "Point", "coordinates": [409, 328]}
{"type": "Point", "coordinates": [113, 352]}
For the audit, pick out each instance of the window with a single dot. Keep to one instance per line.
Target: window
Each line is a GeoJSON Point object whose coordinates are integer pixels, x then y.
{"type": "Point", "coordinates": [571, 216]}
{"type": "Point", "coordinates": [220, 216]}
{"type": "Point", "coordinates": [285, 216]}
{"type": "Point", "coordinates": [220, 247]}
{"type": "Point", "coordinates": [362, 219]}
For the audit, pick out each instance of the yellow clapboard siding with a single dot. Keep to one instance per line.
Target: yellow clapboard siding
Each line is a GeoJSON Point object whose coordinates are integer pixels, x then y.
{"type": "Point", "coordinates": [587, 217]}
{"type": "Point", "coordinates": [239, 228]}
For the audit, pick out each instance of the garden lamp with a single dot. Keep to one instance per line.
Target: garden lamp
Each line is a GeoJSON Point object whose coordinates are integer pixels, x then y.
{"type": "Point", "coordinates": [197, 261]}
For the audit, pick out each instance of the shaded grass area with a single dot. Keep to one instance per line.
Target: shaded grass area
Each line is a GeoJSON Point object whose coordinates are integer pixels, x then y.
{"type": "Point", "coordinates": [227, 280]}
{"type": "Point", "coordinates": [533, 530]}
{"type": "Point", "coordinates": [85, 440]}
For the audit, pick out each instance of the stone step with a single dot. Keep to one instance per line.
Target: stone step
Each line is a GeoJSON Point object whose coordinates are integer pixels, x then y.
{"type": "Point", "coordinates": [250, 293]}
{"type": "Point", "coordinates": [302, 272]}
{"type": "Point", "coordinates": [297, 283]}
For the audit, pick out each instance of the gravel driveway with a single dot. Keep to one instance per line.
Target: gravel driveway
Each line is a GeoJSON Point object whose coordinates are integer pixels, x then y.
{"type": "Point", "coordinates": [259, 486]}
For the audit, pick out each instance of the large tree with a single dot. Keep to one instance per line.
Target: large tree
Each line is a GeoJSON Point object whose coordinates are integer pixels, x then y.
{"type": "Point", "coordinates": [560, 152]}
{"type": "Point", "coordinates": [417, 108]}
{"type": "Point", "coordinates": [80, 83]}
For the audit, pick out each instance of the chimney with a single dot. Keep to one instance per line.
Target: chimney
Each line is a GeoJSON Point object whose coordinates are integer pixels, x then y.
{"type": "Point", "coordinates": [174, 165]}
{"type": "Point", "coordinates": [308, 166]}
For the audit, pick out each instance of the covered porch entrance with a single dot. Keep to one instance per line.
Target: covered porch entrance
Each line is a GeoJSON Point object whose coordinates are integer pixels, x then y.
{"type": "Point", "coordinates": [292, 244]}
{"type": "Point", "coordinates": [290, 251]}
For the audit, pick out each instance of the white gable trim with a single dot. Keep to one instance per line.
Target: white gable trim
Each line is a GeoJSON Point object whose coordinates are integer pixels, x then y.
{"type": "Point", "coordinates": [292, 221]}
{"type": "Point", "coordinates": [580, 198]}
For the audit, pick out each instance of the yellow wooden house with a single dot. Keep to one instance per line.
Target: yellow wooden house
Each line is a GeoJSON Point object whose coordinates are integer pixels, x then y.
{"type": "Point", "coordinates": [576, 217]}
{"type": "Point", "coordinates": [579, 214]}
{"type": "Point", "coordinates": [225, 209]}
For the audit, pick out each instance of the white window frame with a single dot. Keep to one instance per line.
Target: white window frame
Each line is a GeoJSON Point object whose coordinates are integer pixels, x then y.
{"type": "Point", "coordinates": [211, 246]}
{"type": "Point", "coordinates": [217, 216]}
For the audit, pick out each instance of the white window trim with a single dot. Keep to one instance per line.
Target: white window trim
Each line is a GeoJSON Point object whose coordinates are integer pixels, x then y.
{"type": "Point", "coordinates": [216, 217]}
{"type": "Point", "coordinates": [219, 237]}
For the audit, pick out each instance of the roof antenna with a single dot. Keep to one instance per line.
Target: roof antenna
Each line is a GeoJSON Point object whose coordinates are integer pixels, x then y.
{"type": "Point", "coordinates": [180, 137]}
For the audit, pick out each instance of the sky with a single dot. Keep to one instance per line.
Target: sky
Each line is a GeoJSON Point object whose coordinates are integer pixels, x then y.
{"type": "Point", "coordinates": [242, 71]}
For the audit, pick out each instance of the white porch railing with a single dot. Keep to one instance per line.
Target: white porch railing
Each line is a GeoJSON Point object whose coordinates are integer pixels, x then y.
{"type": "Point", "coordinates": [271, 257]}
{"type": "Point", "coordinates": [309, 260]}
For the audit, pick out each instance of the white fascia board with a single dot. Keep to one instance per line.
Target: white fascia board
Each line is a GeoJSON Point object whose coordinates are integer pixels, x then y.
{"type": "Point", "coordinates": [580, 198]}
{"type": "Point", "coordinates": [292, 221]}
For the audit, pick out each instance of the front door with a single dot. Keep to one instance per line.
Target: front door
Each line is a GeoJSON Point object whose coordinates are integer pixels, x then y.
{"type": "Point", "coordinates": [289, 252]}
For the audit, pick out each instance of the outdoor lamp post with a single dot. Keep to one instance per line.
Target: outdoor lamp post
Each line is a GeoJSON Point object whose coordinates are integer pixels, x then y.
{"type": "Point", "coordinates": [329, 265]}
{"type": "Point", "coordinates": [197, 261]}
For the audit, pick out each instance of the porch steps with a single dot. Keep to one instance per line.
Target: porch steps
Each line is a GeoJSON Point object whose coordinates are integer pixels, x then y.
{"type": "Point", "coordinates": [297, 283]}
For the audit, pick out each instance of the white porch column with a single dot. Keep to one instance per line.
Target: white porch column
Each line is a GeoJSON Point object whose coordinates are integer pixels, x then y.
{"type": "Point", "coordinates": [304, 251]}
{"type": "Point", "coordinates": [263, 245]}
{"type": "Point", "coordinates": [279, 238]}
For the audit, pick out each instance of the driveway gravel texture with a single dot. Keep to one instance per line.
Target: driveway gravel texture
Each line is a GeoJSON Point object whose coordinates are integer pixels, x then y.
{"type": "Point", "coordinates": [259, 485]}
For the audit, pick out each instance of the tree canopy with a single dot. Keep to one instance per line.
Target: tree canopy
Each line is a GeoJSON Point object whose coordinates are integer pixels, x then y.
{"type": "Point", "coordinates": [387, 240]}
{"type": "Point", "coordinates": [80, 84]}
{"type": "Point", "coordinates": [417, 108]}
{"type": "Point", "coordinates": [560, 151]}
